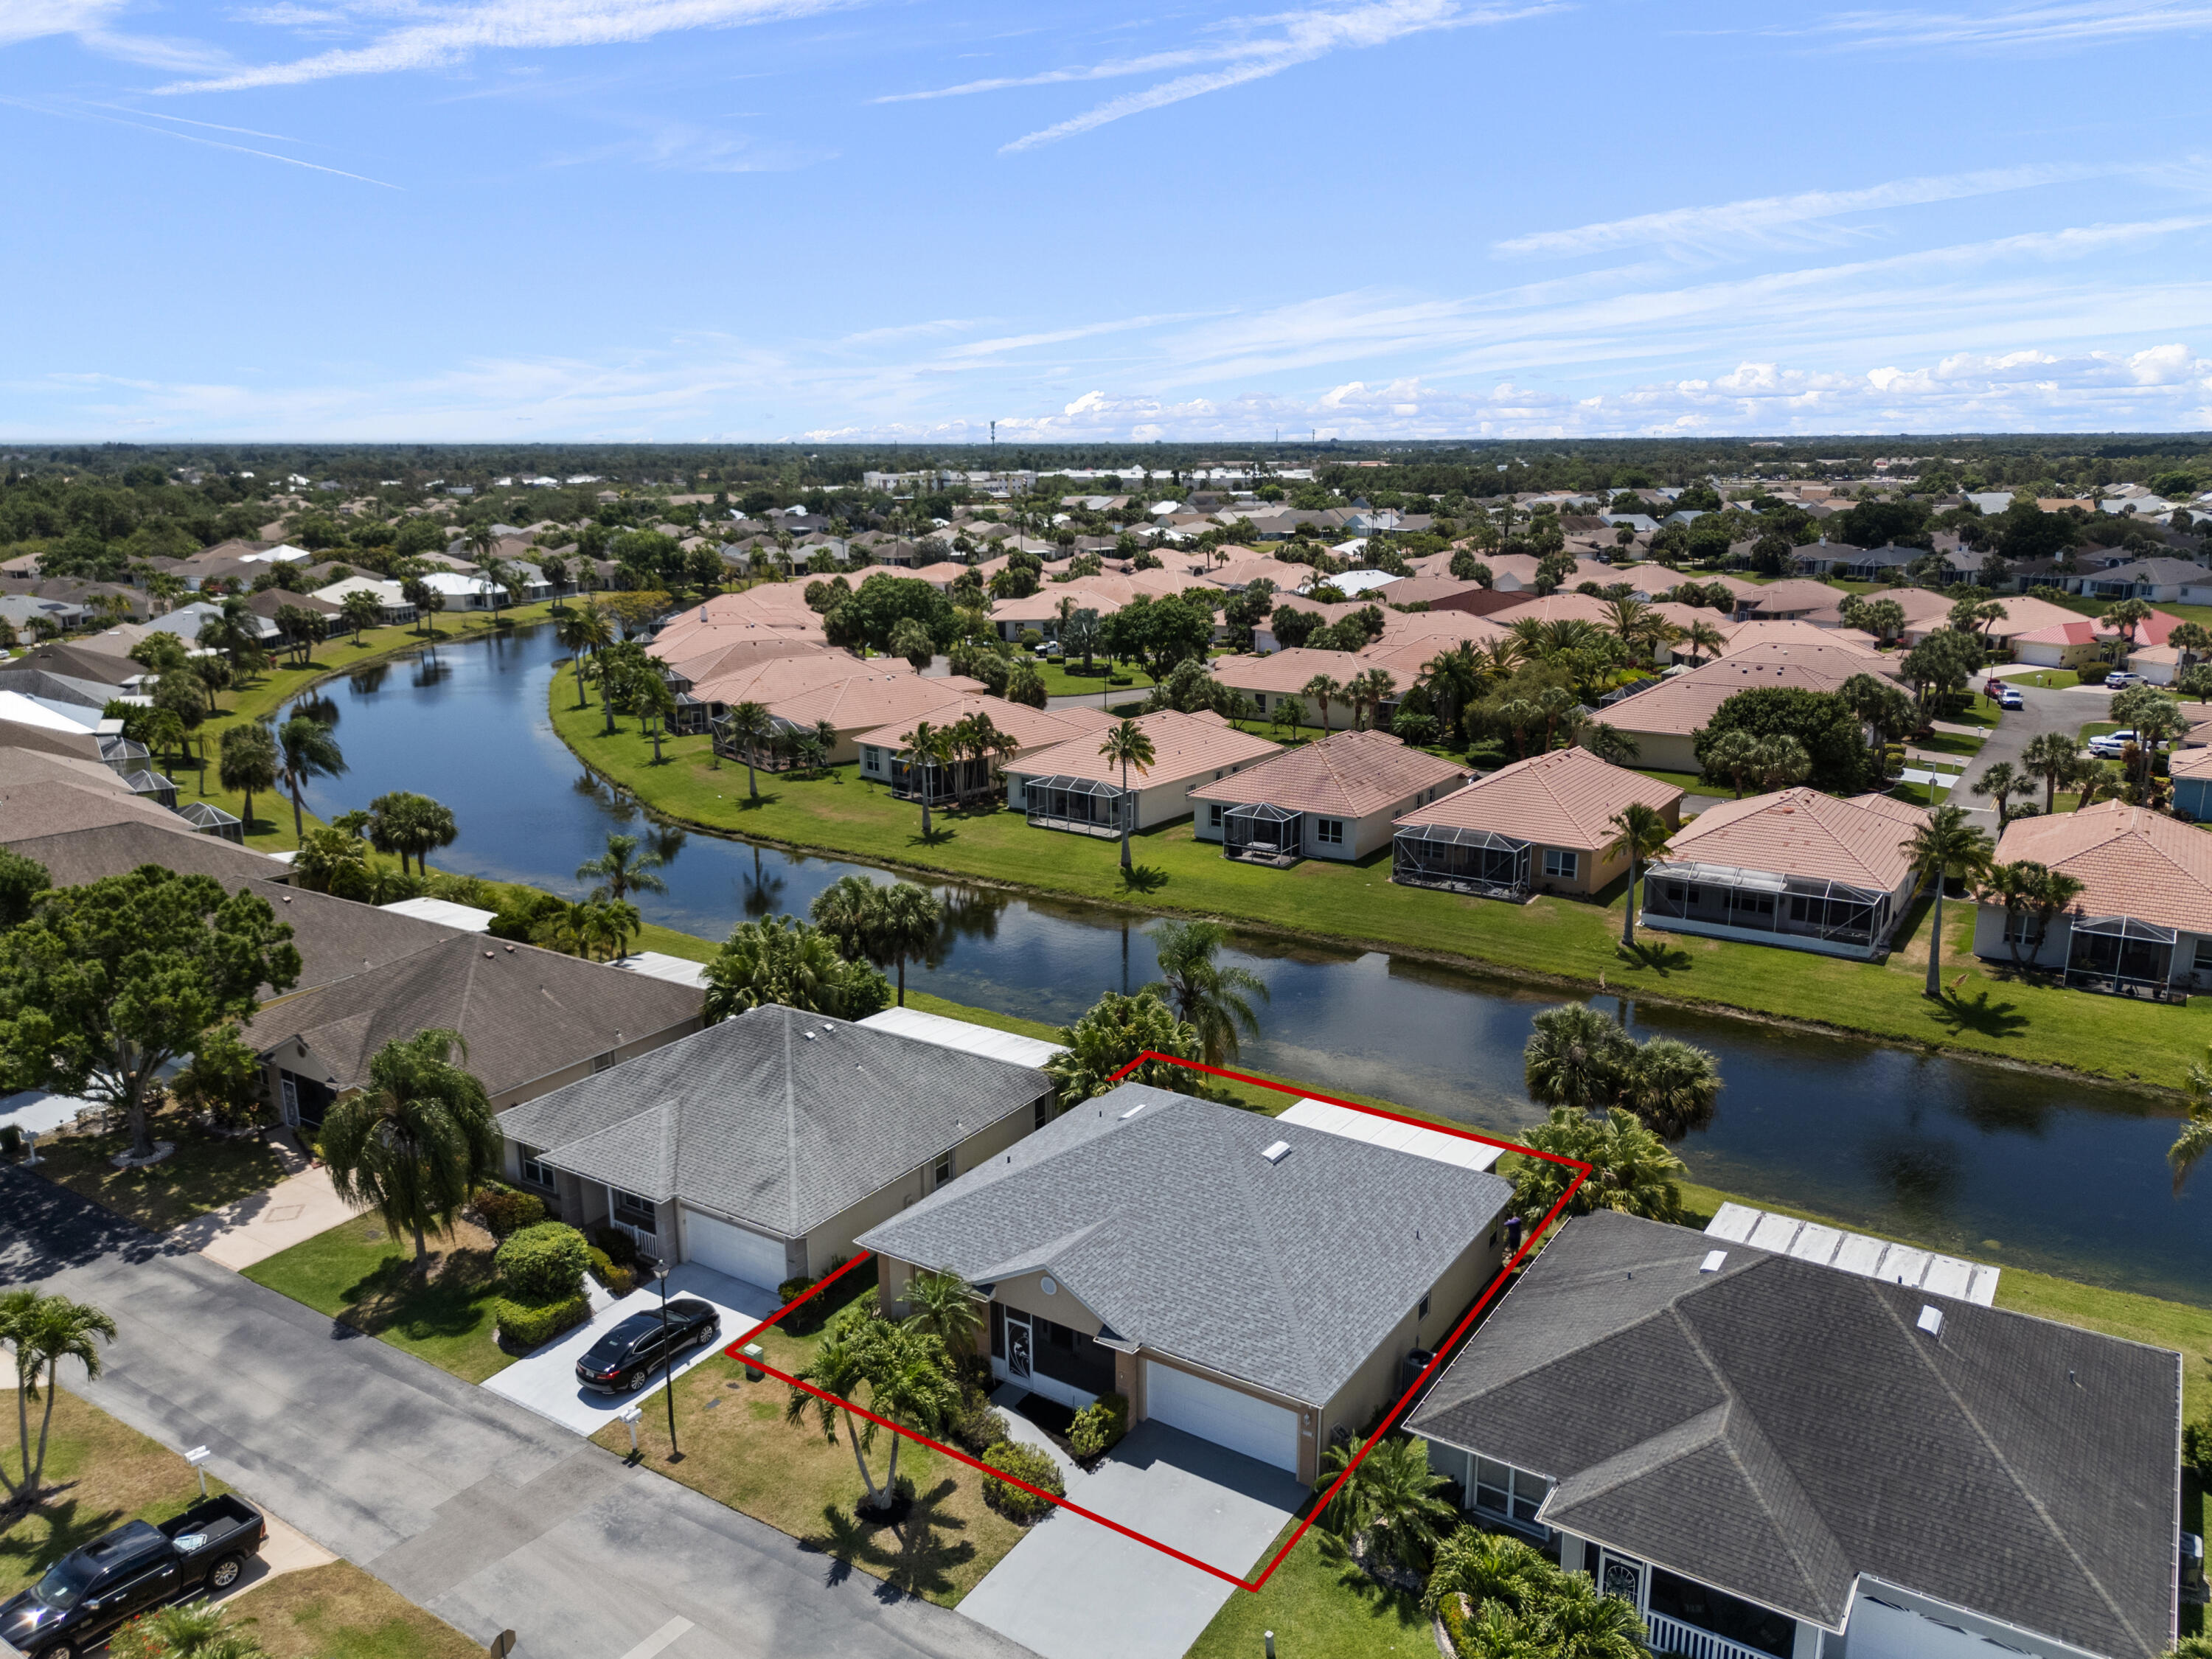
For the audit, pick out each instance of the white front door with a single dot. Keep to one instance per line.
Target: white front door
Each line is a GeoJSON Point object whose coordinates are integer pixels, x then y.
{"type": "Point", "coordinates": [1242, 1422]}
{"type": "Point", "coordinates": [753, 1257]}
{"type": "Point", "coordinates": [1621, 1576]}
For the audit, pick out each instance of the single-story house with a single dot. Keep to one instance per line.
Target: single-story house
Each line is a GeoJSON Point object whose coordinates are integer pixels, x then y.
{"type": "Point", "coordinates": [393, 606]}
{"type": "Point", "coordinates": [2189, 766]}
{"type": "Point", "coordinates": [1539, 825]}
{"type": "Point", "coordinates": [1796, 868]}
{"type": "Point", "coordinates": [1779, 1458]}
{"type": "Point", "coordinates": [763, 1146]}
{"type": "Point", "coordinates": [1071, 786]}
{"type": "Point", "coordinates": [1331, 798]}
{"type": "Point", "coordinates": [1664, 721]}
{"type": "Point", "coordinates": [1261, 1284]}
{"type": "Point", "coordinates": [884, 756]}
{"type": "Point", "coordinates": [1271, 679]}
{"type": "Point", "coordinates": [2084, 642]}
{"type": "Point", "coordinates": [533, 1019]}
{"type": "Point", "coordinates": [2164, 579]}
{"type": "Point", "coordinates": [1789, 598]}
{"type": "Point", "coordinates": [2143, 920]}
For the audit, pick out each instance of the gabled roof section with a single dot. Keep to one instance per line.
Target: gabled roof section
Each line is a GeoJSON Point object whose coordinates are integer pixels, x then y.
{"type": "Point", "coordinates": [2131, 861]}
{"type": "Point", "coordinates": [1563, 799]}
{"type": "Point", "coordinates": [1349, 774]}
{"type": "Point", "coordinates": [1803, 832]}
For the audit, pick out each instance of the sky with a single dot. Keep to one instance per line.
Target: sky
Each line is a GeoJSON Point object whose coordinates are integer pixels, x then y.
{"type": "Point", "coordinates": [865, 220]}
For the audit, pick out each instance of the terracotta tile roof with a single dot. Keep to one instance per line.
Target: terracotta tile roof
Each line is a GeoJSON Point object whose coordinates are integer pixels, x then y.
{"type": "Point", "coordinates": [1803, 832]}
{"type": "Point", "coordinates": [709, 653]}
{"type": "Point", "coordinates": [1775, 597]}
{"type": "Point", "coordinates": [2087, 630]}
{"type": "Point", "coordinates": [769, 679]}
{"type": "Point", "coordinates": [1286, 673]}
{"type": "Point", "coordinates": [1558, 607]}
{"type": "Point", "coordinates": [1682, 705]}
{"type": "Point", "coordinates": [1348, 774]}
{"type": "Point", "coordinates": [862, 703]}
{"type": "Point", "coordinates": [1793, 630]}
{"type": "Point", "coordinates": [1411, 590]}
{"type": "Point", "coordinates": [2130, 861]}
{"type": "Point", "coordinates": [1563, 799]}
{"type": "Point", "coordinates": [1031, 727]}
{"type": "Point", "coordinates": [1184, 745]}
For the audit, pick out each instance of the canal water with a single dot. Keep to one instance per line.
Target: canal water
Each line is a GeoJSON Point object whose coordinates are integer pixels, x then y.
{"type": "Point", "coordinates": [2010, 1167]}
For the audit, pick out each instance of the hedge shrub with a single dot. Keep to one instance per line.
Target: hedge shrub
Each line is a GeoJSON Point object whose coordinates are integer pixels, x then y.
{"type": "Point", "coordinates": [1452, 1610]}
{"type": "Point", "coordinates": [2196, 1448]}
{"type": "Point", "coordinates": [1098, 1426]}
{"type": "Point", "coordinates": [544, 1263]}
{"type": "Point", "coordinates": [792, 1289]}
{"type": "Point", "coordinates": [977, 1426]}
{"type": "Point", "coordinates": [527, 1322]}
{"type": "Point", "coordinates": [619, 1281]}
{"type": "Point", "coordinates": [505, 1211]}
{"type": "Point", "coordinates": [1024, 1463]}
{"type": "Point", "coordinates": [620, 1247]}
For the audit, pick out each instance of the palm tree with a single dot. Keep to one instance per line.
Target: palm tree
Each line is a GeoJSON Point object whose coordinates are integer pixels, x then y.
{"type": "Point", "coordinates": [1671, 1086]}
{"type": "Point", "coordinates": [165, 735]}
{"type": "Point", "coordinates": [1487, 1566]}
{"type": "Point", "coordinates": [911, 1383]}
{"type": "Point", "coordinates": [838, 1369]}
{"type": "Point", "coordinates": [580, 632]}
{"type": "Point", "coordinates": [1369, 691]}
{"type": "Point", "coordinates": [2027, 889]}
{"type": "Point", "coordinates": [929, 750]}
{"type": "Point", "coordinates": [946, 1306]}
{"type": "Point", "coordinates": [1208, 996]}
{"type": "Point", "coordinates": [1576, 1057]}
{"type": "Point", "coordinates": [846, 910]}
{"type": "Point", "coordinates": [1703, 640]}
{"type": "Point", "coordinates": [1946, 845]}
{"type": "Point", "coordinates": [1578, 1623]}
{"type": "Point", "coordinates": [197, 1630]}
{"type": "Point", "coordinates": [1643, 833]}
{"type": "Point", "coordinates": [906, 923]}
{"type": "Point", "coordinates": [1126, 745]}
{"type": "Point", "coordinates": [44, 1331]}
{"type": "Point", "coordinates": [747, 726]}
{"type": "Point", "coordinates": [360, 610]}
{"type": "Point", "coordinates": [2001, 782]}
{"type": "Point", "coordinates": [614, 925]}
{"type": "Point", "coordinates": [1323, 690]}
{"type": "Point", "coordinates": [247, 764]}
{"type": "Point", "coordinates": [306, 749]}
{"type": "Point", "coordinates": [2125, 618]}
{"type": "Point", "coordinates": [2050, 756]}
{"type": "Point", "coordinates": [1630, 1168]}
{"type": "Point", "coordinates": [2196, 1137]}
{"type": "Point", "coordinates": [416, 1141]}
{"type": "Point", "coordinates": [782, 959]}
{"type": "Point", "coordinates": [410, 824]}
{"type": "Point", "coordinates": [1392, 1498]}
{"type": "Point", "coordinates": [1455, 679]}
{"type": "Point", "coordinates": [1734, 756]}
{"type": "Point", "coordinates": [655, 702]}
{"type": "Point", "coordinates": [623, 870]}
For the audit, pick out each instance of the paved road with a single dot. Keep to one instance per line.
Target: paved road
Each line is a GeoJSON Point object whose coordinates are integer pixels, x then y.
{"type": "Point", "coordinates": [2045, 711]}
{"type": "Point", "coordinates": [469, 1504]}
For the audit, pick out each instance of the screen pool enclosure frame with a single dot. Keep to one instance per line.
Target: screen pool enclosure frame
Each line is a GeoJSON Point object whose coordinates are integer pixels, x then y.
{"type": "Point", "coordinates": [1443, 1349]}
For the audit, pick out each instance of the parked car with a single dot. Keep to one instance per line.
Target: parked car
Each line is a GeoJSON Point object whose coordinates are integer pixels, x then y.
{"type": "Point", "coordinates": [2119, 677]}
{"type": "Point", "coordinates": [621, 1360]}
{"type": "Point", "coordinates": [2005, 696]}
{"type": "Point", "coordinates": [133, 1570]}
{"type": "Point", "coordinates": [2109, 746]}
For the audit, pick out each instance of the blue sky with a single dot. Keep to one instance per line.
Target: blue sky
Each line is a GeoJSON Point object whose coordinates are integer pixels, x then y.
{"type": "Point", "coordinates": [732, 220]}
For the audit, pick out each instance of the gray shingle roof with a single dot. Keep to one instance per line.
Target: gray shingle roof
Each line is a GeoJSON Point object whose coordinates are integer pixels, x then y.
{"type": "Point", "coordinates": [1170, 1226]}
{"type": "Point", "coordinates": [1777, 1427]}
{"type": "Point", "coordinates": [753, 1120]}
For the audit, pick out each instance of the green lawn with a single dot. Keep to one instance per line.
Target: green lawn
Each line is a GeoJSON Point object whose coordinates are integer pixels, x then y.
{"type": "Point", "coordinates": [204, 1173]}
{"type": "Point", "coordinates": [355, 1274]}
{"type": "Point", "coordinates": [336, 1611]}
{"type": "Point", "coordinates": [1561, 940]}
{"type": "Point", "coordinates": [1690, 783]}
{"type": "Point", "coordinates": [2050, 680]}
{"type": "Point", "coordinates": [1950, 743]}
{"type": "Point", "coordinates": [1073, 682]}
{"type": "Point", "coordinates": [1318, 1606]}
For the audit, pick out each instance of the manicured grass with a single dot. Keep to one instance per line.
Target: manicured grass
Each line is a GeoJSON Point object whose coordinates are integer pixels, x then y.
{"type": "Point", "coordinates": [114, 1474]}
{"type": "Point", "coordinates": [357, 1275]}
{"type": "Point", "coordinates": [1061, 681]}
{"type": "Point", "coordinates": [1317, 1603]}
{"type": "Point", "coordinates": [1991, 1011]}
{"type": "Point", "coordinates": [204, 1173]}
{"type": "Point", "coordinates": [1950, 743]}
{"type": "Point", "coordinates": [336, 1611]}
{"type": "Point", "coordinates": [739, 1451]}
{"type": "Point", "coordinates": [2050, 680]}
{"type": "Point", "coordinates": [1694, 783]}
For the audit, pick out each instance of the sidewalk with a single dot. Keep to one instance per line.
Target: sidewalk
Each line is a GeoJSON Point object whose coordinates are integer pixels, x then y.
{"type": "Point", "coordinates": [256, 1227]}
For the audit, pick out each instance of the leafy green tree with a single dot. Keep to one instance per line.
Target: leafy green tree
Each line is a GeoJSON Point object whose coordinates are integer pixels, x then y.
{"type": "Point", "coordinates": [1126, 745]}
{"type": "Point", "coordinates": [42, 1331]}
{"type": "Point", "coordinates": [910, 639]}
{"type": "Point", "coordinates": [1025, 685]}
{"type": "Point", "coordinates": [247, 764]}
{"type": "Point", "coordinates": [1488, 1567]}
{"type": "Point", "coordinates": [22, 881]}
{"type": "Point", "coordinates": [305, 749]}
{"type": "Point", "coordinates": [1082, 635]}
{"type": "Point", "coordinates": [1203, 992]}
{"type": "Point", "coordinates": [359, 611]}
{"type": "Point", "coordinates": [2125, 616]}
{"type": "Point", "coordinates": [1946, 845]}
{"type": "Point", "coordinates": [411, 825]}
{"type": "Point", "coordinates": [783, 960]}
{"type": "Point", "coordinates": [1821, 721]}
{"type": "Point", "coordinates": [1111, 1036]}
{"type": "Point", "coordinates": [2051, 756]}
{"type": "Point", "coordinates": [331, 861]}
{"type": "Point", "coordinates": [622, 869]}
{"type": "Point", "coordinates": [1643, 834]}
{"type": "Point", "coordinates": [106, 983]}
{"type": "Point", "coordinates": [1392, 1500]}
{"type": "Point", "coordinates": [947, 1307]}
{"type": "Point", "coordinates": [416, 1141]}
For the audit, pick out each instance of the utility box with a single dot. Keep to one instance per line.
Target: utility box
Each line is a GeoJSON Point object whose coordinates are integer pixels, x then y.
{"type": "Point", "coordinates": [754, 1354]}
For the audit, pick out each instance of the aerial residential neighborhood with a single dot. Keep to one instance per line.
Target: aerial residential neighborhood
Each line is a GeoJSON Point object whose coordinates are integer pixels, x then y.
{"type": "Point", "coordinates": [933, 832]}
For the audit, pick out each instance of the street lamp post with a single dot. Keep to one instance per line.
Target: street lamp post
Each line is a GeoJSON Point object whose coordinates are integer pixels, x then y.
{"type": "Point", "coordinates": [667, 1358]}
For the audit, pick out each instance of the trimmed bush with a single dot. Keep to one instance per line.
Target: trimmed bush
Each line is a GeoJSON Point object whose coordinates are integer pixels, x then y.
{"type": "Point", "coordinates": [2196, 1448]}
{"type": "Point", "coordinates": [1453, 1611]}
{"type": "Point", "coordinates": [525, 1323]}
{"type": "Point", "coordinates": [1098, 1426]}
{"type": "Point", "coordinates": [792, 1289]}
{"type": "Point", "coordinates": [544, 1263]}
{"type": "Point", "coordinates": [620, 1247]}
{"type": "Point", "coordinates": [1024, 1463]}
{"type": "Point", "coordinates": [977, 1426]}
{"type": "Point", "coordinates": [505, 1211]}
{"type": "Point", "coordinates": [619, 1281]}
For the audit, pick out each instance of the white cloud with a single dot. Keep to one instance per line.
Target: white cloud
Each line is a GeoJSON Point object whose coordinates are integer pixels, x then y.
{"type": "Point", "coordinates": [454, 34]}
{"type": "Point", "coordinates": [686, 147]}
{"type": "Point", "coordinates": [32, 20]}
{"type": "Point", "coordinates": [2087, 22]}
{"type": "Point", "coordinates": [1770, 221]}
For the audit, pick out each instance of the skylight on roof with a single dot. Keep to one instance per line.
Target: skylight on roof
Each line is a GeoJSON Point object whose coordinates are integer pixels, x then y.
{"type": "Point", "coordinates": [1134, 1109]}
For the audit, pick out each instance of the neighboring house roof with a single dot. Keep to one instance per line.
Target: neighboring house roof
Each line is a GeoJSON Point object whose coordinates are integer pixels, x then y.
{"type": "Point", "coordinates": [2158, 573]}
{"type": "Point", "coordinates": [1795, 631]}
{"type": "Point", "coordinates": [1031, 727]}
{"type": "Point", "coordinates": [1346, 775]}
{"type": "Point", "coordinates": [1803, 832]}
{"type": "Point", "coordinates": [1776, 1427]}
{"type": "Point", "coordinates": [525, 1013]}
{"type": "Point", "coordinates": [1786, 597]}
{"type": "Point", "coordinates": [865, 702]}
{"type": "Point", "coordinates": [1686, 702]}
{"type": "Point", "coordinates": [776, 1118]}
{"type": "Point", "coordinates": [1286, 673]}
{"type": "Point", "coordinates": [2131, 861]}
{"type": "Point", "coordinates": [2084, 630]}
{"type": "Point", "coordinates": [1184, 745]}
{"type": "Point", "coordinates": [76, 661]}
{"type": "Point", "coordinates": [1158, 1212]}
{"type": "Point", "coordinates": [985, 1039]}
{"type": "Point", "coordinates": [1564, 799]}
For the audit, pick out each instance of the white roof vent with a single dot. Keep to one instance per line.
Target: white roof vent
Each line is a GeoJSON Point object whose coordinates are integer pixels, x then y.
{"type": "Point", "coordinates": [1278, 1153]}
{"type": "Point", "coordinates": [1134, 1109]}
{"type": "Point", "coordinates": [1711, 1264]}
{"type": "Point", "coordinates": [1930, 1320]}
{"type": "Point", "coordinates": [809, 1035]}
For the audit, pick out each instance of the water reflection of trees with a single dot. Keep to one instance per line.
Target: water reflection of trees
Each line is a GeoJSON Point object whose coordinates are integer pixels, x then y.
{"type": "Point", "coordinates": [369, 680]}
{"type": "Point", "coordinates": [429, 671]}
{"type": "Point", "coordinates": [1922, 1176]}
{"type": "Point", "coordinates": [323, 710]}
{"type": "Point", "coordinates": [761, 893]}
{"type": "Point", "coordinates": [616, 805]}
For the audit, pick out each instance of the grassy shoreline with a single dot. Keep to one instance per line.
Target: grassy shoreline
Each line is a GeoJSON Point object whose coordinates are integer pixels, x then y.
{"type": "Point", "coordinates": [1987, 1012]}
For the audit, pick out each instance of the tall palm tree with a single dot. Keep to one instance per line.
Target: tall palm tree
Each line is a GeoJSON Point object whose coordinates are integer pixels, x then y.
{"type": "Point", "coordinates": [1734, 756]}
{"type": "Point", "coordinates": [1703, 640]}
{"type": "Point", "coordinates": [838, 1369]}
{"type": "Point", "coordinates": [1643, 833]}
{"type": "Point", "coordinates": [748, 725]}
{"type": "Point", "coordinates": [2001, 782]}
{"type": "Point", "coordinates": [2050, 756]}
{"type": "Point", "coordinates": [358, 611]}
{"type": "Point", "coordinates": [44, 1330]}
{"type": "Point", "coordinates": [1370, 691]}
{"type": "Point", "coordinates": [410, 825]}
{"type": "Point", "coordinates": [1208, 996]}
{"type": "Point", "coordinates": [929, 750]}
{"type": "Point", "coordinates": [1392, 1498]}
{"type": "Point", "coordinates": [1128, 745]}
{"type": "Point", "coordinates": [305, 749]}
{"type": "Point", "coordinates": [416, 1141]}
{"type": "Point", "coordinates": [247, 764]}
{"type": "Point", "coordinates": [846, 910]}
{"type": "Point", "coordinates": [906, 923]}
{"type": "Point", "coordinates": [911, 1383]}
{"type": "Point", "coordinates": [582, 632]}
{"type": "Point", "coordinates": [624, 869]}
{"type": "Point", "coordinates": [947, 1307]}
{"type": "Point", "coordinates": [1946, 845]}
{"type": "Point", "coordinates": [1323, 690]}
{"type": "Point", "coordinates": [1455, 679]}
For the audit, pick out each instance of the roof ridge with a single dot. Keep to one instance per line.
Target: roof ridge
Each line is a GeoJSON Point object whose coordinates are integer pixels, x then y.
{"type": "Point", "coordinates": [790, 1124]}
{"type": "Point", "coordinates": [1289, 1308]}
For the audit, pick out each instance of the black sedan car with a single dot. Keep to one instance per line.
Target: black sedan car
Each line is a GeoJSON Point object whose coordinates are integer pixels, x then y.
{"type": "Point", "coordinates": [621, 1360]}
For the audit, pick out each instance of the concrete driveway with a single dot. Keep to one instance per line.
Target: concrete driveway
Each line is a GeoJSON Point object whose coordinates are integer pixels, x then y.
{"type": "Point", "coordinates": [546, 1381]}
{"type": "Point", "coordinates": [1075, 1589]}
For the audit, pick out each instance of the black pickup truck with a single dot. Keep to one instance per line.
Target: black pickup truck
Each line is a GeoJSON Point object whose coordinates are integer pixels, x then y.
{"type": "Point", "coordinates": [135, 1569]}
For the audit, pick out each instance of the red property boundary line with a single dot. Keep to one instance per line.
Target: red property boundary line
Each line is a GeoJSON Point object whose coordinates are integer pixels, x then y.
{"type": "Point", "coordinates": [1529, 1236]}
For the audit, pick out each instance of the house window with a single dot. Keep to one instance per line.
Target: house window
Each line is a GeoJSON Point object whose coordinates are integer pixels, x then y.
{"type": "Point", "coordinates": [629, 1208]}
{"type": "Point", "coordinates": [1044, 1111]}
{"type": "Point", "coordinates": [1213, 816]}
{"type": "Point", "coordinates": [533, 1171]}
{"type": "Point", "coordinates": [1329, 831]}
{"type": "Point", "coordinates": [1560, 864]}
{"type": "Point", "coordinates": [1422, 1313]}
{"type": "Point", "coordinates": [943, 1173]}
{"type": "Point", "coordinates": [2203, 962]}
{"type": "Point", "coordinates": [1260, 701]}
{"type": "Point", "coordinates": [1510, 1493]}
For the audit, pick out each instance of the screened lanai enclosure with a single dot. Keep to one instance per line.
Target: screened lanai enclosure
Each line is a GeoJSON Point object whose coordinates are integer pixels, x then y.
{"type": "Point", "coordinates": [1257, 833]}
{"type": "Point", "coordinates": [1086, 806]}
{"type": "Point", "coordinates": [2123, 955]}
{"type": "Point", "coordinates": [1825, 913]}
{"type": "Point", "coordinates": [966, 777]}
{"type": "Point", "coordinates": [1481, 862]}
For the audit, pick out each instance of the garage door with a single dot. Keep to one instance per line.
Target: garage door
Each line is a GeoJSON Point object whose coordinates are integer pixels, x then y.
{"type": "Point", "coordinates": [753, 1257]}
{"type": "Point", "coordinates": [1238, 1421]}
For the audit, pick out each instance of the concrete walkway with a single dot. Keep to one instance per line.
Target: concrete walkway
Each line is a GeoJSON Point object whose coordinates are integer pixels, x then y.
{"type": "Point", "coordinates": [1023, 1433]}
{"type": "Point", "coordinates": [260, 1225]}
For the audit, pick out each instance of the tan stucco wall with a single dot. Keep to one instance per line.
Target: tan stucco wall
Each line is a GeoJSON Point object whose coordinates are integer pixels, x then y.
{"type": "Point", "coordinates": [1361, 835]}
{"type": "Point", "coordinates": [1157, 802]}
{"type": "Point", "coordinates": [1378, 1381]}
{"type": "Point", "coordinates": [1663, 751]}
{"type": "Point", "coordinates": [835, 1237]}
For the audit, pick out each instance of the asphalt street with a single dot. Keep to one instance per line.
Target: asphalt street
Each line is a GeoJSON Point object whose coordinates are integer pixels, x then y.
{"type": "Point", "coordinates": [2066, 711]}
{"type": "Point", "coordinates": [466, 1503]}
